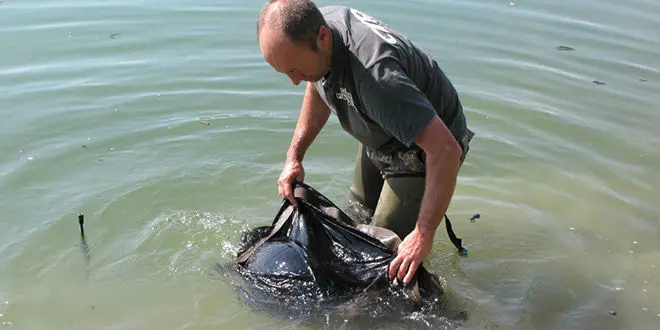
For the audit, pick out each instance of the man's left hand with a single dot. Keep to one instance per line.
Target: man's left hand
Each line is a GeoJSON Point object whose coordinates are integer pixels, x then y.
{"type": "Point", "coordinates": [410, 254]}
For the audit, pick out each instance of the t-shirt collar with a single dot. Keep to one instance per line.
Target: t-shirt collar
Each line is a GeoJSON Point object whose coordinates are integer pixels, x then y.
{"type": "Point", "coordinates": [338, 52]}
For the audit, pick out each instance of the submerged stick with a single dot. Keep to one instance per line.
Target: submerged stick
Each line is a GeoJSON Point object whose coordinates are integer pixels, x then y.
{"type": "Point", "coordinates": [83, 242]}
{"type": "Point", "coordinates": [83, 246]}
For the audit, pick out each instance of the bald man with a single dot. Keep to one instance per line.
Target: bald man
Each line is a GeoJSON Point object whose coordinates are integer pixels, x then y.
{"type": "Point", "coordinates": [388, 94]}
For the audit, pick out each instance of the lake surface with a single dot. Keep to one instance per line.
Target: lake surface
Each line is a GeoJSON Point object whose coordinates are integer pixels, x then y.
{"type": "Point", "coordinates": [161, 122]}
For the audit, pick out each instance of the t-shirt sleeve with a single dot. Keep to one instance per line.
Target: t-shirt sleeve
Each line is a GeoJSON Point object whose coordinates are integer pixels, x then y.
{"type": "Point", "coordinates": [393, 101]}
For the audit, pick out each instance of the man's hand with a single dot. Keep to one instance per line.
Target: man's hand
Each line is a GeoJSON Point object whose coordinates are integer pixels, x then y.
{"type": "Point", "coordinates": [410, 254]}
{"type": "Point", "coordinates": [293, 171]}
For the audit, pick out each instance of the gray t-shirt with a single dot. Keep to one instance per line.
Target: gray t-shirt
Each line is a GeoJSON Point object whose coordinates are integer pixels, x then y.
{"type": "Point", "coordinates": [383, 89]}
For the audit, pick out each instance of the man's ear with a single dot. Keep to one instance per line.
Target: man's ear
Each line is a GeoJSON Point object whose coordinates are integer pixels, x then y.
{"type": "Point", "coordinates": [323, 40]}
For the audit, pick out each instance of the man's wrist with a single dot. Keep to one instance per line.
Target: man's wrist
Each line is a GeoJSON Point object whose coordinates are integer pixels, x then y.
{"type": "Point", "coordinates": [425, 228]}
{"type": "Point", "coordinates": [294, 156]}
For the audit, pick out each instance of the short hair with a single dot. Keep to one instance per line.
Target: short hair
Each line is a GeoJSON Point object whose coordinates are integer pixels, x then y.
{"type": "Point", "coordinates": [300, 20]}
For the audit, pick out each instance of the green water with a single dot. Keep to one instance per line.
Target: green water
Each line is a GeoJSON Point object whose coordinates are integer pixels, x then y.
{"type": "Point", "coordinates": [160, 121]}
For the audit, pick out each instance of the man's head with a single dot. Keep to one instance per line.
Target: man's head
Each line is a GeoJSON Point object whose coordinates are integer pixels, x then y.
{"type": "Point", "coordinates": [295, 39]}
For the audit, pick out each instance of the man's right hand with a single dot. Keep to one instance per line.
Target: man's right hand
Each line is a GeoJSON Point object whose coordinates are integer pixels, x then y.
{"type": "Point", "coordinates": [314, 114]}
{"type": "Point", "coordinates": [293, 171]}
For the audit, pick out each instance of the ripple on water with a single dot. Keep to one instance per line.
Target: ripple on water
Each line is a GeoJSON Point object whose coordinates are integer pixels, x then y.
{"type": "Point", "coordinates": [562, 169]}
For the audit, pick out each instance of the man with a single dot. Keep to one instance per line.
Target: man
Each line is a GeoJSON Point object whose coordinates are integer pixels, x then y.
{"type": "Point", "coordinates": [389, 95]}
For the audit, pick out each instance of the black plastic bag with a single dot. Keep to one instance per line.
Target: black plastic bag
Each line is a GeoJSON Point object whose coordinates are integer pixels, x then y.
{"type": "Point", "coordinates": [314, 256]}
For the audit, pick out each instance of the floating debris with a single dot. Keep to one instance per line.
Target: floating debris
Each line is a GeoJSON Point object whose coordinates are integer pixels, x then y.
{"type": "Point", "coordinates": [475, 217]}
{"type": "Point", "coordinates": [512, 3]}
{"type": "Point", "coordinates": [596, 82]}
{"type": "Point", "coordinates": [613, 313]}
{"type": "Point", "coordinates": [114, 35]}
{"type": "Point", "coordinates": [84, 146]}
{"type": "Point", "coordinates": [641, 79]}
{"type": "Point", "coordinates": [564, 48]}
{"type": "Point", "coordinates": [572, 228]}
{"type": "Point", "coordinates": [205, 123]}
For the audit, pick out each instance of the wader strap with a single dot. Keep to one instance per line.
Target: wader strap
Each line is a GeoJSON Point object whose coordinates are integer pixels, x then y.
{"type": "Point", "coordinates": [458, 243]}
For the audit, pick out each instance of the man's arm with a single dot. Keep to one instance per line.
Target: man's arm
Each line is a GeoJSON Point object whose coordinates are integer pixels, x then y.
{"type": "Point", "coordinates": [314, 114]}
{"type": "Point", "coordinates": [442, 162]}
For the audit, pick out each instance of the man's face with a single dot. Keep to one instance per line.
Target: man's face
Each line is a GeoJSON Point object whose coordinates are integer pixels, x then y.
{"type": "Point", "coordinates": [298, 61]}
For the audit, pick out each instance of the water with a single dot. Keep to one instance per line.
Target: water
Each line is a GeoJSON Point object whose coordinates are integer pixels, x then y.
{"type": "Point", "coordinates": [160, 121]}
